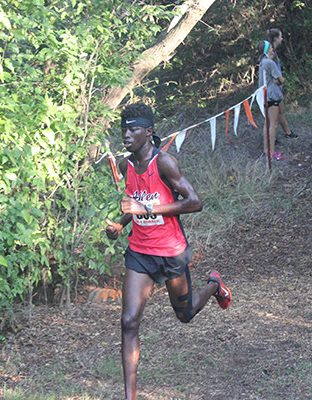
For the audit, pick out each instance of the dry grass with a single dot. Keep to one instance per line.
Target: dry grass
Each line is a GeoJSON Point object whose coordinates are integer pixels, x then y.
{"type": "Point", "coordinates": [259, 349]}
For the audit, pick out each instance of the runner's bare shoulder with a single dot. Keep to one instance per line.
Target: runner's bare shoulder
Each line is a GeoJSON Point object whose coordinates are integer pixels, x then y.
{"type": "Point", "coordinates": [166, 163]}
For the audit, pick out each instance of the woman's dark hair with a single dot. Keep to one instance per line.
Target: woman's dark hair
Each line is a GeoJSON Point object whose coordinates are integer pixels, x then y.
{"type": "Point", "coordinates": [272, 34]}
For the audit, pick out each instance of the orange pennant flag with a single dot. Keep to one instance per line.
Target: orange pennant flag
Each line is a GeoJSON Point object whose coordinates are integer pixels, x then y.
{"type": "Point", "coordinates": [168, 144]}
{"type": "Point", "coordinates": [227, 116]}
{"type": "Point", "coordinates": [113, 166]}
{"type": "Point", "coordinates": [249, 114]}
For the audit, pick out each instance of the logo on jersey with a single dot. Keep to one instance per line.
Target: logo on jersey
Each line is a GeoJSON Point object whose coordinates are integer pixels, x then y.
{"type": "Point", "coordinates": [144, 196]}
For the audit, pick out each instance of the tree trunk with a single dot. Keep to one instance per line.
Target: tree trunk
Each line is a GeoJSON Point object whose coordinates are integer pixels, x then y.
{"type": "Point", "coordinates": [162, 51]}
{"type": "Point", "coordinates": [179, 28]}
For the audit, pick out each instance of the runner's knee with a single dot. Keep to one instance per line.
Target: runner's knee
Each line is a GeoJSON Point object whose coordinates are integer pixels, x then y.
{"type": "Point", "coordinates": [130, 322]}
{"type": "Point", "coordinates": [184, 310]}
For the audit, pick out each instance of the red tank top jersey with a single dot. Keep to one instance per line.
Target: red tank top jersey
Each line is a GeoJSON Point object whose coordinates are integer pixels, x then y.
{"type": "Point", "coordinates": [155, 234]}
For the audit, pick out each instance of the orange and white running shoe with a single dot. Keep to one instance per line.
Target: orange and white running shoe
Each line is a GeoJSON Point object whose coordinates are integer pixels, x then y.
{"type": "Point", "coordinates": [223, 294]}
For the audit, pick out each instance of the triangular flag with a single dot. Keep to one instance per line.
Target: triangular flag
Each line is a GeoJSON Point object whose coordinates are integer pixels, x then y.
{"type": "Point", "coordinates": [264, 78]}
{"type": "Point", "coordinates": [260, 100]}
{"type": "Point", "coordinates": [179, 139]}
{"type": "Point", "coordinates": [168, 144]}
{"type": "Point", "coordinates": [249, 114]}
{"type": "Point", "coordinates": [236, 117]}
{"type": "Point", "coordinates": [213, 132]}
{"type": "Point", "coordinates": [113, 166]}
{"type": "Point", "coordinates": [253, 99]}
{"type": "Point", "coordinates": [227, 116]}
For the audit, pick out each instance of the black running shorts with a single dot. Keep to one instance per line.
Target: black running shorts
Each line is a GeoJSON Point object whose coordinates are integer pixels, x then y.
{"type": "Point", "coordinates": [274, 103]}
{"type": "Point", "coordinates": [160, 269]}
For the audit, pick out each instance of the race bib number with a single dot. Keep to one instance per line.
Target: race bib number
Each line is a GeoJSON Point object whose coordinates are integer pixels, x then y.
{"type": "Point", "coordinates": [149, 220]}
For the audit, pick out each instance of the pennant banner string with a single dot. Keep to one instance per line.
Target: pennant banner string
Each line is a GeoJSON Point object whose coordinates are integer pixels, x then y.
{"type": "Point", "coordinates": [258, 94]}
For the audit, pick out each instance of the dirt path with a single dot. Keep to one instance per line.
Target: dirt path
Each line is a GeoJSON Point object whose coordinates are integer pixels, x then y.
{"type": "Point", "coordinates": [259, 349]}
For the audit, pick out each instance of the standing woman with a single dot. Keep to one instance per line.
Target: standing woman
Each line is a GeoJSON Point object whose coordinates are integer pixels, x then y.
{"type": "Point", "coordinates": [274, 80]}
{"type": "Point", "coordinates": [275, 37]}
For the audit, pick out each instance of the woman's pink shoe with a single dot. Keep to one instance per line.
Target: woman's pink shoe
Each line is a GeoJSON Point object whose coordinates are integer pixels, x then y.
{"type": "Point", "coordinates": [278, 156]}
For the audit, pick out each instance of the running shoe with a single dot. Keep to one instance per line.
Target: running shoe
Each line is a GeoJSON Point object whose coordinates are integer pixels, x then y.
{"type": "Point", "coordinates": [223, 294]}
{"type": "Point", "coordinates": [278, 156]}
{"type": "Point", "coordinates": [291, 135]}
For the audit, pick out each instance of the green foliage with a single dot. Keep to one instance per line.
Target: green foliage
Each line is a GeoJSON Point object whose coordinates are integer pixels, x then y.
{"type": "Point", "coordinates": [56, 60]}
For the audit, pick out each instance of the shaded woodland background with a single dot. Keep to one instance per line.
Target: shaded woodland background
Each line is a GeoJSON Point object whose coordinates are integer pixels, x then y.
{"type": "Point", "coordinates": [219, 57]}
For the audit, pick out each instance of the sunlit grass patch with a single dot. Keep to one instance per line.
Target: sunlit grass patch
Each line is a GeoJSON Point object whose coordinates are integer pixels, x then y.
{"type": "Point", "coordinates": [109, 369]}
{"type": "Point", "coordinates": [17, 394]}
{"type": "Point", "coordinates": [230, 190]}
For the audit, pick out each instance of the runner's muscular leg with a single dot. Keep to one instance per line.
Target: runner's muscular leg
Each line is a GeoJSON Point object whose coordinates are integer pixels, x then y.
{"type": "Point", "coordinates": [185, 302]}
{"type": "Point", "coordinates": [136, 289]}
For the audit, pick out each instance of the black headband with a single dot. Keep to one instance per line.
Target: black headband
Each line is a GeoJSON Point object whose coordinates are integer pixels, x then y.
{"type": "Point", "coordinates": [134, 122]}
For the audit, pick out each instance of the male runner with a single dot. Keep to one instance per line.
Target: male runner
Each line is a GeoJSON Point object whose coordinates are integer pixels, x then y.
{"type": "Point", "coordinates": [157, 193]}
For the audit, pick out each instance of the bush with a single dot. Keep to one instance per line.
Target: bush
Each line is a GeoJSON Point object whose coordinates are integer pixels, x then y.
{"type": "Point", "coordinates": [57, 60]}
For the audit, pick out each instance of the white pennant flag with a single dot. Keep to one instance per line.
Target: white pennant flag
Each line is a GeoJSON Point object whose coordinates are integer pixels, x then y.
{"type": "Point", "coordinates": [260, 100]}
{"type": "Point", "coordinates": [180, 139]}
{"type": "Point", "coordinates": [213, 132]}
{"type": "Point", "coordinates": [236, 117]}
{"type": "Point", "coordinates": [253, 98]}
{"type": "Point", "coordinates": [264, 78]}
